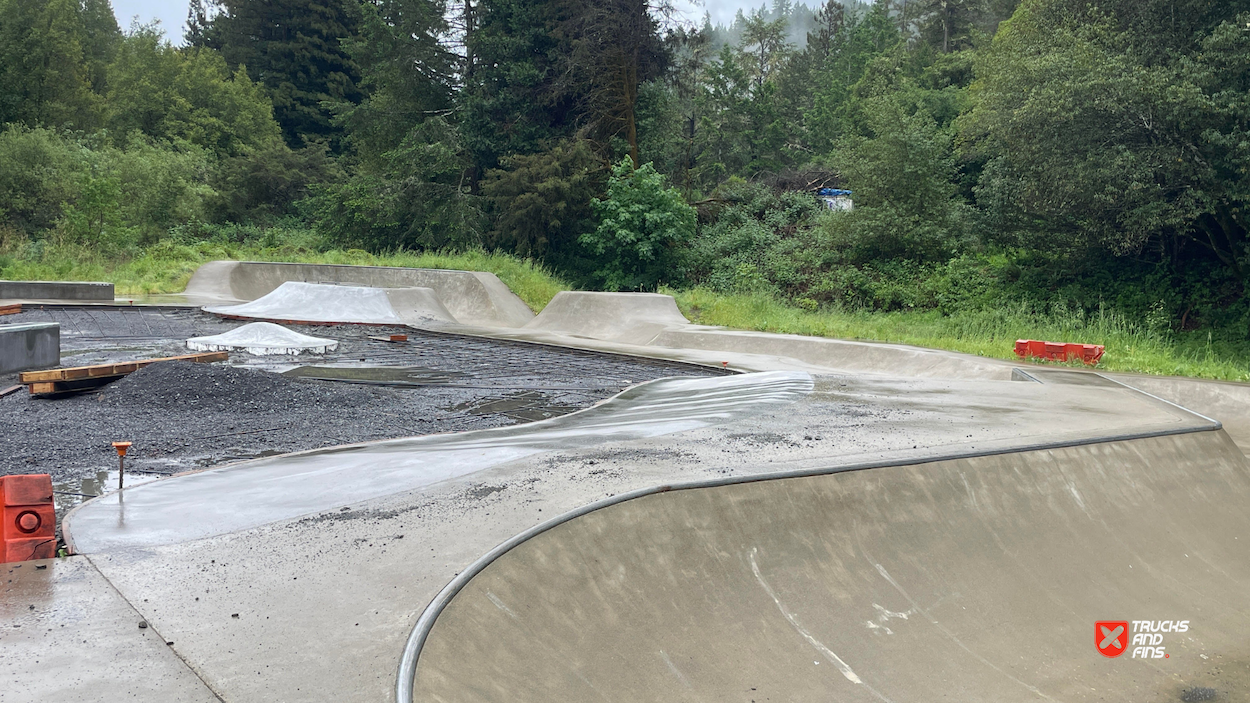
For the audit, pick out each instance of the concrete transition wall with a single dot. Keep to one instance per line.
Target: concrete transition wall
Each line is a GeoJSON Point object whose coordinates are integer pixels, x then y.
{"type": "Point", "coordinates": [632, 318]}
{"type": "Point", "coordinates": [977, 579]}
{"type": "Point", "coordinates": [56, 290]}
{"type": "Point", "coordinates": [473, 297]}
{"type": "Point", "coordinates": [32, 346]}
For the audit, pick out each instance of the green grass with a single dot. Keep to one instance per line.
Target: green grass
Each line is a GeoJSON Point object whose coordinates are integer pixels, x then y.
{"type": "Point", "coordinates": [166, 267]}
{"type": "Point", "coordinates": [1130, 346]}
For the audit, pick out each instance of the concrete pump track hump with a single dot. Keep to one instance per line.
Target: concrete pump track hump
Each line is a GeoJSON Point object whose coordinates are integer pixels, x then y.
{"type": "Point", "coordinates": [838, 521]}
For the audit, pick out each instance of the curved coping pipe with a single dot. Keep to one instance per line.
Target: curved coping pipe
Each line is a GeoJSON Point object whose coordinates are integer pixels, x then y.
{"type": "Point", "coordinates": [407, 673]}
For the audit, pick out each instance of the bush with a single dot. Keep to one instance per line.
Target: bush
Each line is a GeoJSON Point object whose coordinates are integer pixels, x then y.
{"type": "Point", "coordinates": [641, 224]}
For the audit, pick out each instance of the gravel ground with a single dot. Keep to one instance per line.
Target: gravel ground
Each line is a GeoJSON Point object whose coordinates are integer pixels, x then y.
{"type": "Point", "coordinates": [184, 416]}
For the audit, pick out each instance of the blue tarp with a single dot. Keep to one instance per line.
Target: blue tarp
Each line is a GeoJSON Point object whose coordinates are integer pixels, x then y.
{"type": "Point", "coordinates": [833, 191]}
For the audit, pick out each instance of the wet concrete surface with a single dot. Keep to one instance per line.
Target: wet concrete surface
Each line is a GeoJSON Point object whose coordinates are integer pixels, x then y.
{"type": "Point", "coordinates": [254, 493]}
{"type": "Point", "coordinates": [368, 570]}
{"type": "Point", "coordinates": [433, 383]}
{"type": "Point", "coordinates": [60, 616]}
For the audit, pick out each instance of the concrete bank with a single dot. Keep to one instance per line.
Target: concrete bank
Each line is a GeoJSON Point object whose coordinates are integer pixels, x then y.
{"type": "Point", "coordinates": [56, 290]}
{"type": "Point", "coordinates": [35, 345]}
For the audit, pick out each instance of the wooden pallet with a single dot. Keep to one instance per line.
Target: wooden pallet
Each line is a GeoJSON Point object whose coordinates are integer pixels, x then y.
{"type": "Point", "coordinates": [13, 309]}
{"type": "Point", "coordinates": [81, 378]}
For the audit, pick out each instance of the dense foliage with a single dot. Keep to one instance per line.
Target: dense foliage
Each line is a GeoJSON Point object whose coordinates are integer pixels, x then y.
{"type": "Point", "coordinates": [1058, 154]}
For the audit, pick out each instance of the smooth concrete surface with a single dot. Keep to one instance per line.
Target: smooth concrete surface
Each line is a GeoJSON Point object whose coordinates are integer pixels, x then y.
{"type": "Point", "coordinates": [254, 493]}
{"type": "Point", "coordinates": [294, 302]}
{"type": "Point", "coordinates": [30, 346]}
{"type": "Point", "coordinates": [70, 637]}
{"type": "Point", "coordinates": [472, 297]}
{"type": "Point", "coordinates": [326, 602]}
{"type": "Point", "coordinates": [56, 290]}
{"type": "Point", "coordinates": [635, 318]}
{"type": "Point", "coordinates": [970, 580]}
{"type": "Point", "coordinates": [1227, 402]}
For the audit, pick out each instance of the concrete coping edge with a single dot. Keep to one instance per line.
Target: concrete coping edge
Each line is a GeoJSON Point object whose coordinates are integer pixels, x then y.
{"type": "Point", "coordinates": [406, 675]}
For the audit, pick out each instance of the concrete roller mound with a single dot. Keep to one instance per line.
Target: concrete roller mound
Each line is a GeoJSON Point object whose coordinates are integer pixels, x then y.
{"type": "Point", "coordinates": [634, 318]}
{"type": "Point", "coordinates": [976, 579]}
{"type": "Point", "coordinates": [294, 302]}
{"type": "Point", "coordinates": [472, 297]}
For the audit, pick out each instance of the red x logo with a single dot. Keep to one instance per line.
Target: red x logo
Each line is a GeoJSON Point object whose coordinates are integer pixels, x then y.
{"type": "Point", "coordinates": [1111, 637]}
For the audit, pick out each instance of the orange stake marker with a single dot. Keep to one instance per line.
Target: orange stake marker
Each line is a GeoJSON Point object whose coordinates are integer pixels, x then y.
{"type": "Point", "coordinates": [121, 448]}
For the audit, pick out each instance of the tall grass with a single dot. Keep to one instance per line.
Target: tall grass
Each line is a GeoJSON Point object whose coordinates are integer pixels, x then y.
{"type": "Point", "coordinates": [1131, 346]}
{"type": "Point", "coordinates": [167, 266]}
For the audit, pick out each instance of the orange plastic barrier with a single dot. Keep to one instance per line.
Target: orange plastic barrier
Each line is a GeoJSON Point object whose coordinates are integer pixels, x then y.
{"type": "Point", "coordinates": [1059, 351]}
{"type": "Point", "coordinates": [29, 527]}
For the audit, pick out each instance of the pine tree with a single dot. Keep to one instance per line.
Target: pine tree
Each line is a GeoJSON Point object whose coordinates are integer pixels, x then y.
{"type": "Point", "coordinates": [294, 48]}
{"type": "Point", "coordinates": [43, 76]}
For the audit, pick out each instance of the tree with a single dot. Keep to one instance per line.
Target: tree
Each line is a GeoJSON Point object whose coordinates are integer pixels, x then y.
{"type": "Point", "coordinates": [44, 78]}
{"type": "Point", "coordinates": [187, 95]}
{"type": "Point", "coordinates": [408, 74]}
{"type": "Point", "coordinates": [512, 103]}
{"type": "Point", "coordinates": [295, 49]}
{"type": "Point", "coordinates": [615, 48]}
{"type": "Point", "coordinates": [198, 15]}
{"type": "Point", "coordinates": [641, 224]}
{"type": "Point", "coordinates": [1094, 138]}
{"type": "Point", "coordinates": [763, 46]}
{"type": "Point", "coordinates": [544, 201]}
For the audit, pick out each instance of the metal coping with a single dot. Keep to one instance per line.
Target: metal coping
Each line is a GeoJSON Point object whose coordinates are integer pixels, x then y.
{"type": "Point", "coordinates": [406, 674]}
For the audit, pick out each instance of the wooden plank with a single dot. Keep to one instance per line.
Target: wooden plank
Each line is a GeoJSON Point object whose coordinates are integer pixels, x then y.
{"type": "Point", "coordinates": [121, 369]}
{"type": "Point", "coordinates": [10, 391]}
{"type": "Point", "coordinates": [42, 388]}
{"type": "Point", "coordinates": [10, 309]}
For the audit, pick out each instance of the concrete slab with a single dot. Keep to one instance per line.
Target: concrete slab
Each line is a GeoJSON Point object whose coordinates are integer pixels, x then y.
{"type": "Point", "coordinates": [56, 290]}
{"type": "Point", "coordinates": [29, 346]}
{"type": "Point", "coordinates": [70, 636]}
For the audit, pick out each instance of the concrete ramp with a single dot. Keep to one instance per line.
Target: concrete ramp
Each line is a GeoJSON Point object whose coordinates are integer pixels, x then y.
{"type": "Point", "coordinates": [976, 579]}
{"type": "Point", "coordinates": [472, 297]}
{"type": "Point", "coordinates": [295, 303]}
{"type": "Point", "coordinates": [632, 318]}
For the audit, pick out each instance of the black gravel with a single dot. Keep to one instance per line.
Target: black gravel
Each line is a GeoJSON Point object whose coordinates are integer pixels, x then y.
{"type": "Point", "coordinates": [183, 416]}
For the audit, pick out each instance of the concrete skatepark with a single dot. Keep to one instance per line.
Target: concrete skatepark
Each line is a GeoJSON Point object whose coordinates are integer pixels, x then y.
{"type": "Point", "coordinates": [840, 521]}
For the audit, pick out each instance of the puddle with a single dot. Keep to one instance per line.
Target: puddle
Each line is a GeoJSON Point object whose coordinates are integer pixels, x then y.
{"type": "Point", "coordinates": [380, 375]}
{"type": "Point", "coordinates": [71, 494]}
{"type": "Point", "coordinates": [526, 405]}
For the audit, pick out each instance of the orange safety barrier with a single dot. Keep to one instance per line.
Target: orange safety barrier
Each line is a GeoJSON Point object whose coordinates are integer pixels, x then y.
{"type": "Point", "coordinates": [1059, 351]}
{"type": "Point", "coordinates": [29, 528]}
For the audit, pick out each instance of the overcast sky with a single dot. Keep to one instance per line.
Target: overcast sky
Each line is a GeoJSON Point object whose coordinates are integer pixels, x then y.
{"type": "Point", "coordinates": [173, 13]}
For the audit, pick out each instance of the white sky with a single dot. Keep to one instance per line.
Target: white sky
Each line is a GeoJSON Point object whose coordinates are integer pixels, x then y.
{"type": "Point", "coordinates": [173, 13]}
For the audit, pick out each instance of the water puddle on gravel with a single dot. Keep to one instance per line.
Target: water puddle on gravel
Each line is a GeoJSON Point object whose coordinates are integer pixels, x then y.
{"type": "Point", "coordinates": [526, 406]}
{"type": "Point", "coordinates": [378, 375]}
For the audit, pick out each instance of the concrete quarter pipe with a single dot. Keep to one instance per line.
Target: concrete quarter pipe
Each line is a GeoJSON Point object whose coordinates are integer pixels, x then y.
{"type": "Point", "coordinates": [972, 580]}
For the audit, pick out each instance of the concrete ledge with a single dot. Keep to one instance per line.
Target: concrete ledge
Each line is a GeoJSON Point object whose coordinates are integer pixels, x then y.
{"type": "Point", "coordinates": [56, 290]}
{"type": "Point", "coordinates": [33, 346]}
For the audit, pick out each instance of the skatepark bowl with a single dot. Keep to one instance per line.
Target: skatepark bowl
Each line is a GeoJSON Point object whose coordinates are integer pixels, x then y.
{"type": "Point", "coordinates": [836, 521]}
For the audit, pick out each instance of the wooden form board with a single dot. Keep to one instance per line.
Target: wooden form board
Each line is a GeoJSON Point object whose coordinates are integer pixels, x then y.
{"type": "Point", "coordinates": [79, 378]}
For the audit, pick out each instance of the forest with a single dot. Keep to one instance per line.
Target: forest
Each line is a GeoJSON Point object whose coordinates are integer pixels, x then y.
{"type": "Point", "coordinates": [1081, 164]}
